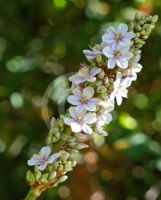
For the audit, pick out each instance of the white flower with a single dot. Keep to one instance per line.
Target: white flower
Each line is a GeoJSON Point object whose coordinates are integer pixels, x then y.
{"type": "Point", "coordinates": [42, 159]}
{"type": "Point", "coordinates": [118, 36]}
{"type": "Point", "coordinates": [117, 56]}
{"type": "Point", "coordinates": [85, 74]}
{"type": "Point", "coordinates": [107, 104]}
{"type": "Point", "coordinates": [120, 88]}
{"type": "Point", "coordinates": [104, 118]}
{"type": "Point", "coordinates": [100, 130]}
{"type": "Point", "coordinates": [133, 70]}
{"type": "Point", "coordinates": [83, 99]}
{"type": "Point", "coordinates": [80, 120]}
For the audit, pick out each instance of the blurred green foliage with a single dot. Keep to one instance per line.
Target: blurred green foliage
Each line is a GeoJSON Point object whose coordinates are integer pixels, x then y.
{"type": "Point", "coordinates": [39, 41]}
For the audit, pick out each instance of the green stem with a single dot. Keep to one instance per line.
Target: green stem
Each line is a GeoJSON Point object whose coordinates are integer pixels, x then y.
{"type": "Point", "coordinates": [32, 195]}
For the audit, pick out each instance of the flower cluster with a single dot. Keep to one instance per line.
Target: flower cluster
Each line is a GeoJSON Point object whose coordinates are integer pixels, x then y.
{"type": "Point", "coordinates": [95, 88]}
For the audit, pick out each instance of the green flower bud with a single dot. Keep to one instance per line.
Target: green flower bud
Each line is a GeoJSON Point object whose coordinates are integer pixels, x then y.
{"type": "Point", "coordinates": [37, 173]}
{"type": "Point", "coordinates": [64, 156]}
{"type": "Point", "coordinates": [52, 175]}
{"type": "Point", "coordinates": [30, 177]}
{"type": "Point", "coordinates": [60, 168]}
{"type": "Point", "coordinates": [44, 178]}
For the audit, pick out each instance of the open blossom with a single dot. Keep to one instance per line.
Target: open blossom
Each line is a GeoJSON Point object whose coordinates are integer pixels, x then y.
{"type": "Point", "coordinates": [133, 70]}
{"type": "Point", "coordinates": [85, 74]}
{"type": "Point", "coordinates": [80, 120]}
{"type": "Point", "coordinates": [42, 159]}
{"type": "Point", "coordinates": [117, 56]}
{"type": "Point", "coordinates": [118, 36]}
{"type": "Point", "coordinates": [108, 104]}
{"type": "Point", "coordinates": [104, 118]}
{"type": "Point", "coordinates": [83, 99]}
{"type": "Point", "coordinates": [120, 88]}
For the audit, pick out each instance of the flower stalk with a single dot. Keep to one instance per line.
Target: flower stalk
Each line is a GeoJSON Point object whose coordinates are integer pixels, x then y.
{"type": "Point", "coordinates": [94, 91]}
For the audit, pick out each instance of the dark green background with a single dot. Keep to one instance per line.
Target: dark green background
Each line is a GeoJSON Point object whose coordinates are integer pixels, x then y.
{"type": "Point", "coordinates": [40, 40]}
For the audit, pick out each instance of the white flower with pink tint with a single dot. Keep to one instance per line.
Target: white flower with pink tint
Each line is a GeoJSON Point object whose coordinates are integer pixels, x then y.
{"type": "Point", "coordinates": [42, 159]}
{"type": "Point", "coordinates": [117, 56]}
{"type": "Point", "coordinates": [118, 36]}
{"type": "Point", "coordinates": [83, 99]}
{"type": "Point", "coordinates": [120, 88]}
{"type": "Point", "coordinates": [80, 121]}
{"type": "Point", "coordinates": [85, 74]}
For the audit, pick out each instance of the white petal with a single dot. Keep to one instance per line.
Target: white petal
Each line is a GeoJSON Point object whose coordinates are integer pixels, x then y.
{"type": "Point", "coordinates": [42, 166]}
{"type": "Point", "coordinates": [90, 118]}
{"type": "Point", "coordinates": [73, 112]}
{"type": "Point", "coordinates": [75, 127]}
{"type": "Point", "coordinates": [68, 121]}
{"type": "Point", "coordinates": [35, 160]}
{"type": "Point", "coordinates": [53, 157]}
{"type": "Point", "coordinates": [111, 63]}
{"type": "Point", "coordinates": [90, 106]}
{"type": "Point", "coordinates": [87, 129]}
{"type": "Point", "coordinates": [88, 92]}
{"type": "Point", "coordinates": [108, 52]}
{"type": "Point", "coordinates": [94, 71]}
{"type": "Point", "coordinates": [122, 63]}
{"type": "Point", "coordinates": [73, 100]}
{"type": "Point", "coordinates": [45, 151]}
{"type": "Point", "coordinates": [119, 99]}
{"type": "Point", "coordinates": [76, 92]}
{"type": "Point", "coordinates": [122, 28]}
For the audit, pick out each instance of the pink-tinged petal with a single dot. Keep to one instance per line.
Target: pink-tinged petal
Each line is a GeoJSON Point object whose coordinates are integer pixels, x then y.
{"type": "Point", "coordinates": [88, 92]}
{"type": "Point", "coordinates": [108, 52]}
{"type": "Point", "coordinates": [111, 63]}
{"type": "Point", "coordinates": [53, 157]}
{"type": "Point", "coordinates": [73, 100]}
{"type": "Point", "coordinates": [42, 166]}
{"type": "Point", "coordinates": [94, 71]}
{"type": "Point", "coordinates": [122, 28]}
{"type": "Point", "coordinates": [45, 151]}
{"type": "Point", "coordinates": [90, 118]}
{"type": "Point", "coordinates": [76, 127]}
{"type": "Point", "coordinates": [87, 129]}
{"type": "Point", "coordinates": [68, 121]}
{"type": "Point", "coordinates": [122, 63]}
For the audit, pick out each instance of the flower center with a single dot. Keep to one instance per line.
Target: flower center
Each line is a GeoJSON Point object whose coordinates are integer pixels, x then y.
{"type": "Point", "coordinates": [119, 37]}
{"type": "Point", "coordinates": [117, 54]}
{"type": "Point", "coordinates": [83, 100]}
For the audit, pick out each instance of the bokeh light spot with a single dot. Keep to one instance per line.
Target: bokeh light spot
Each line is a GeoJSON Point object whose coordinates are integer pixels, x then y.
{"type": "Point", "coordinates": [16, 100]}
{"type": "Point", "coordinates": [126, 121]}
